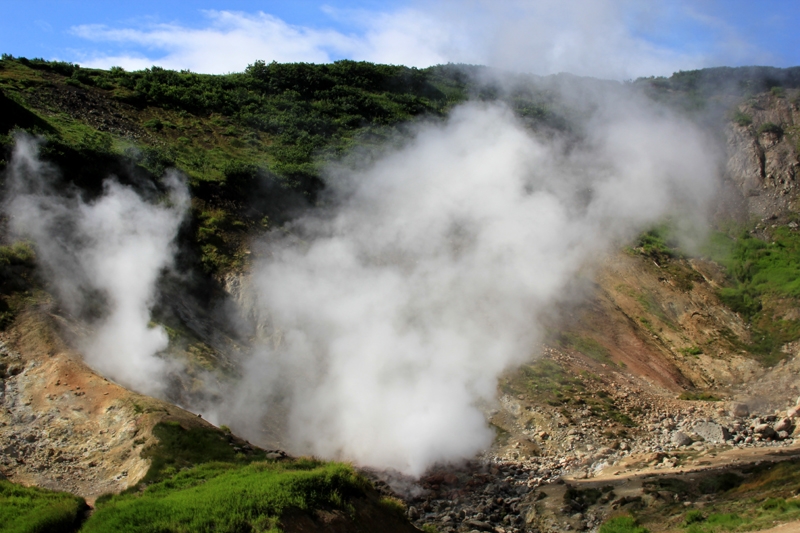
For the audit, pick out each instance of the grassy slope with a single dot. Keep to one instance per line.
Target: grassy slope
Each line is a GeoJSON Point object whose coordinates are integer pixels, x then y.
{"type": "Point", "coordinates": [35, 510]}
{"type": "Point", "coordinates": [251, 143]}
{"type": "Point", "coordinates": [753, 499]}
{"type": "Point", "coordinates": [750, 499]}
{"type": "Point", "coordinates": [222, 497]}
{"type": "Point", "coordinates": [198, 481]}
{"type": "Point", "coordinates": [763, 280]}
{"type": "Point", "coordinates": [764, 285]}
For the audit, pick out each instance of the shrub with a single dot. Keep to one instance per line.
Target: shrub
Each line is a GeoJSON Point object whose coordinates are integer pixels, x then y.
{"type": "Point", "coordinates": [154, 124]}
{"type": "Point", "coordinates": [742, 119]}
{"type": "Point", "coordinates": [698, 396]}
{"type": "Point", "coordinates": [692, 517]}
{"type": "Point", "coordinates": [772, 128]}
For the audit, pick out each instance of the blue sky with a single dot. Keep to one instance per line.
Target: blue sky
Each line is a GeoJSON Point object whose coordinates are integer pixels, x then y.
{"type": "Point", "coordinates": [605, 38]}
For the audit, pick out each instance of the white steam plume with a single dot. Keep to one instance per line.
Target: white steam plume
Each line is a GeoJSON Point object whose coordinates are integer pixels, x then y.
{"type": "Point", "coordinates": [103, 256]}
{"type": "Point", "coordinates": [390, 318]}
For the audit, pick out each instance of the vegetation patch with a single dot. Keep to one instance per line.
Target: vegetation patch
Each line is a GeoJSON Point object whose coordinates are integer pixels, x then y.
{"type": "Point", "coordinates": [751, 499]}
{"type": "Point", "coordinates": [692, 350]}
{"type": "Point", "coordinates": [622, 524]}
{"type": "Point", "coordinates": [772, 128]}
{"type": "Point", "coordinates": [227, 498]}
{"type": "Point", "coordinates": [16, 276]}
{"type": "Point", "coordinates": [35, 510]}
{"type": "Point", "coordinates": [765, 284]}
{"type": "Point", "coordinates": [179, 448]}
{"type": "Point", "coordinates": [742, 119]}
{"type": "Point", "coordinates": [548, 382]}
{"type": "Point", "coordinates": [699, 397]}
{"type": "Point", "coordinates": [658, 243]}
{"type": "Point", "coordinates": [585, 345]}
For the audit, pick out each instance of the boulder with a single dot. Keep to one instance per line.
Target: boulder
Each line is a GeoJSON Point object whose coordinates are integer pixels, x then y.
{"type": "Point", "coordinates": [712, 432]}
{"type": "Point", "coordinates": [784, 424]}
{"type": "Point", "coordinates": [680, 438]}
{"type": "Point", "coordinates": [765, 430]}
{"type": "Point", "coordinates": [739, 410]}
{"type": "Point", "coordinates": [478, 525]}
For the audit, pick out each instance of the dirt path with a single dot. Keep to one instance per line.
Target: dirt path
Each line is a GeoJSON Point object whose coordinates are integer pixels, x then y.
{"type": "Point", "coordinates": [634, 467]}
{"type": "Point", "coordinates": [789, 527]}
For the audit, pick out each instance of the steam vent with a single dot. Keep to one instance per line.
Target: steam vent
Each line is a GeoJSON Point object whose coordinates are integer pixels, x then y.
{"type": "Point", "coordinates": [526, 268]}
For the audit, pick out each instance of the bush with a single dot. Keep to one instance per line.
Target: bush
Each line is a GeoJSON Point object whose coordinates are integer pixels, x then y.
{"type": "Point", "coordinates": [692, 517]}
{"type": "Point", "coordinates": [742, 119]}
{"type": "Point", "coordinates": [772, 128]}
{"type": "Point", "coordinates": [698, 397]}
{"type": "Point", "coordinates": [154, 124]}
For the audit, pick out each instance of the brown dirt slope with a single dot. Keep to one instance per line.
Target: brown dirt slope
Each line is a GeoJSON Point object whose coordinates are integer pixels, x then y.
{"type": "Point", "coordinates": [63, 426]}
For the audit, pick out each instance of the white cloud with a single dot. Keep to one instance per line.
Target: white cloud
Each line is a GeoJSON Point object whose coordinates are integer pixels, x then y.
{"type": "Point", "coordinates": [602, 38]}
{"type": "Point", "coordinates": [230, 43]}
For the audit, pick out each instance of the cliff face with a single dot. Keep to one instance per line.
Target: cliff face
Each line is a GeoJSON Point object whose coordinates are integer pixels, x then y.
{"type": "Point", "coordinates": [763, 161]}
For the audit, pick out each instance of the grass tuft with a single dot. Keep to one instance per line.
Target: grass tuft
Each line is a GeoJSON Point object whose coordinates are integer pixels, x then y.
{"type": "Point", "coordinates": [622, 524]}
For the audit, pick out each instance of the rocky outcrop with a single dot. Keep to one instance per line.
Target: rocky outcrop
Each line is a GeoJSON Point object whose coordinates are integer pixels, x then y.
{"type": "Point", "coordinates": [763, 162]}
{"type": "Point", "coordinates": [64, 427]}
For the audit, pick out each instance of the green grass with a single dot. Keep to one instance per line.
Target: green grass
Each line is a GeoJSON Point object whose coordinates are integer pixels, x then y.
{"type": "Point", "coordinates": [546, 381]}
{"type": "Point", "coordinates": [585, 345]}
{"type": "Point", "coordinates": [179, 448]}
{"type": "Point", "coordinates": [752, 498]}
{"type": "Point", "coordinates": [282, 123]}
{"type": "Point", "coordinates": [35, 510]}
{"type": "Point", "coordinates": [718, 523]}
{"type": "Point", "coordinates": [699, 397]}
{"type": "Point", "coordinates": [197, 483]}
{"type": "Point", "coordinates": [658, 243]}
{"type": "Point", "coordinates": [16, 275]}
{"type": "Point", "coordinates": [742, 119]}
{"type": "Point", "coordinates": [765, 282]}
{"type": "Point", "coordinates": [622, 524]}
{"type": "Point", "coordinates": [226, 498]}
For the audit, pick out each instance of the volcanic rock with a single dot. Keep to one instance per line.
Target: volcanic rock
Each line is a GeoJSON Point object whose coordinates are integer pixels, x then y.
{"type": "Point", "coordinates": [739, 410]}
{"type": "Point", "coordinates": [680, 438]}
{"type": "Point", "coordinates": [712, 432]}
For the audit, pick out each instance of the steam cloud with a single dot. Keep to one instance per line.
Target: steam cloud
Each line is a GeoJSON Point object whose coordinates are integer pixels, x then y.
{"type": "Point", "coordinates": [389, 317]}
{"type": "Point", "coordinates": [103, 258]}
